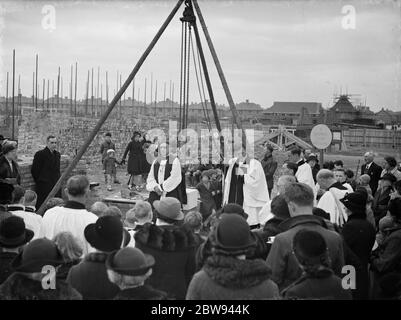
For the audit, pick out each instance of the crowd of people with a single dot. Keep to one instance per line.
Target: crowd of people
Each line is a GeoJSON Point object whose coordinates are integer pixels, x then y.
{"type": "Point", "coordinates": [252, 237]}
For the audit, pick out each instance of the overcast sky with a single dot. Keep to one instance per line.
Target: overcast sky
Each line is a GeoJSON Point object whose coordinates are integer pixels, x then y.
{"type": "Point", "coordinates": [269, 51]}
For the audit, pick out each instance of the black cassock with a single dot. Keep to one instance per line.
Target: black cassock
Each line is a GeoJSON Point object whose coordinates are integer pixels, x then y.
{"type": "Point", "coordinates": [236, 194]}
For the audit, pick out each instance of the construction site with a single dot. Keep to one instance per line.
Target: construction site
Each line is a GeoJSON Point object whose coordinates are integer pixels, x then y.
{"type": "Point", "coordinates": [79, 124]}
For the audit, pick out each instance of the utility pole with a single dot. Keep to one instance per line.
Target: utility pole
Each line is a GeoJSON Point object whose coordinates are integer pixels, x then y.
{"type": "Point", "coordinates": [52, 110]}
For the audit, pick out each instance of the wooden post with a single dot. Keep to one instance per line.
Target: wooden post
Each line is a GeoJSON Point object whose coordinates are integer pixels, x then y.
{"type": "Point", "coordinates": [13, 104]}
{"type": "Point", "coordinates": [7, 96]}
{"type": "Point", "coordinates": [33, 89]}
{"type": "Point", "coordinates": [87, 95]}
{"type": "Point", "coordinates": [71, 82]}
{"type": "Point", "coordinates": [36, 83]}
{"type": "Point", "coordinates": [43, 102]}
{"type": "Point", "coordinates": [52, 110]}
{"type": "Point", "coordinates": [19, 95]}
{"type": "Point", "coordinates": [156, 99]}
{"type": "Point", "coordinates": [96, 129]}
{"type": "Point", "coordinates": [107, 88]}
{"type": "Point", "coordinates": [220, 72]}
{"type": "Point", "coordinates": [58, 89]}
{"type": "Point", "coordinates": [98, 95]}
{"type": "Point", "coordinates": [92, 95]}
{"type": "Point", "coordinates": [48, 96]}
{"type": "Point", "coordinates": [75, 93]}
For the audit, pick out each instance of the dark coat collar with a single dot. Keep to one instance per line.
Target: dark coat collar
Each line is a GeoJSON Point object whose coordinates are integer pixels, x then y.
{"type": "Point", "coordinates": [74, 205]}
{"type": "Point", "coordinates": [303, 219]}
{"type": "Point", "coordinates": [236, 274]}
{"type": "Point", "coordinates": [99, 257]}
{"type": "Point", "coordinates": [165, 238]}
{"type": "Point", "coordinates": [144, 292]}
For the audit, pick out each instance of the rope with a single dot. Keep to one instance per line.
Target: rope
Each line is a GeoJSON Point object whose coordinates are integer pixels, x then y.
{"type": "Point", "coordinates": [181, 78]}
{"type": "Point", "coordinates": [203, 87]}
{"type": "Point", "coordinates": [199, 89]}
{"type": "Point", "coordinates": [187, 89]}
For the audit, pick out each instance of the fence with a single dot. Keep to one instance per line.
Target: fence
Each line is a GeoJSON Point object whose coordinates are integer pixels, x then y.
{"type": "Point", "coordinates": [383, 139]}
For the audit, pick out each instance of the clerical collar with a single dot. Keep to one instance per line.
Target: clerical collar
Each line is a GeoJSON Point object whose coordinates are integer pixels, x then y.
{"type": "Point", "coordinates": [74, 205]}
{"type": "Point", "coordinates": [30, 209]}
{"type": "Point", "coordinates": [15, 207]}
{"type": "Point", "coordinates": [338, 185]}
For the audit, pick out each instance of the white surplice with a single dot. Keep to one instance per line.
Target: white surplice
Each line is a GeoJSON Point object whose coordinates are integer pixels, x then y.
{"type": "Point", "coordinates": [255, 190]}
{"type": "Point", "coordinates": [170, 183]}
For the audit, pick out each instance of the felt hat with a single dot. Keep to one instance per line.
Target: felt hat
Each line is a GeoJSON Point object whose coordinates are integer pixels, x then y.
{"type": "Point", "coordinates": [233, 208]}
{"type": "Point", "coordinates": [310, 247]}
{"type": "Point", "coordinates": [8, 147]}
{"type": "Point", "coordinates": [36, 255]}
{"type": "Point", "coordinates": [355, 201]}
{"type": "Point", "coordinates": [107, 234]}
{"type": "Point", "coordinates": [13, 233]}
{"type": "Point", "coordinates": [169, 208]}
{"type": "Point", "coordinates": [233, 234]}
{"type": "Point", "coordinates": [129, 261]}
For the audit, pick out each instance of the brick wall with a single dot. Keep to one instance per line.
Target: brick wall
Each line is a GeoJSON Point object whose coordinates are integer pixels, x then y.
{"type": "Point", "coordinates": [72, 132]}
{"type": "Point", "coordinates": [25, 164]}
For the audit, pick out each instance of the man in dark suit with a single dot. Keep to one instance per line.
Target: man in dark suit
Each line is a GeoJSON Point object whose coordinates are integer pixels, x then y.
{"type": "Point", "coordinates": [373, 170]}
{"type": "Point", "coordinates": [46, 170]}
{"type": "Point", "coordinates": [269, 166]}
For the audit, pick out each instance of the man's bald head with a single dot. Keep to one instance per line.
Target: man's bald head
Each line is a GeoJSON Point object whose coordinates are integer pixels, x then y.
{"type": "Point", "coordinates": [369, 157]}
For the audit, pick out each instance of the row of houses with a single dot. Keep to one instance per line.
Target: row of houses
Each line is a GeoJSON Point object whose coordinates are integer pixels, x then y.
{"type": "Point", "coordinates": [285, 113]}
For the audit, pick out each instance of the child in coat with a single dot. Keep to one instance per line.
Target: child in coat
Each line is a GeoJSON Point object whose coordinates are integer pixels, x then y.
{"type": "Point", "coordinates": [110, 168]}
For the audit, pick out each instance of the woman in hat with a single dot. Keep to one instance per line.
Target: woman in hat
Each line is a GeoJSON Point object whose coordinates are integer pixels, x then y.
{"type": "Point", "coordinates": [128, 268]}
{"type": "Point", "coordinates": [318, 280]}
{"type": "Point", "coordinates": [34, 276]}
{"type": "Point", "coordinates": [89, 277]}
{"type": "Point", "coordinates": [359, 236]}
{"type": "Point", "coordinates": [387, 257]}
{"type": "Point", "coordinates": [13, 236]}
{"type": "Point", "coordinates": [227, 274]}
{"type": "Point", "coordinates": [135, 161]}
{"type": "Point", "coordinates": [172, 245]}
{"type": "Point", "coordinates": [9, 170]}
